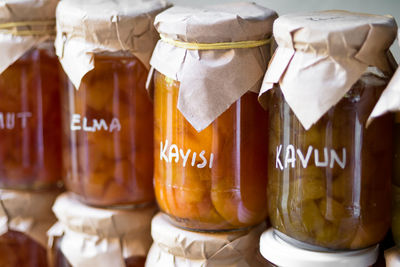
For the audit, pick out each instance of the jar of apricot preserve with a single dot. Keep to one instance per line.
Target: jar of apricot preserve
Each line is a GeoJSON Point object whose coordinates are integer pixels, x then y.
{"type": "Point", "coordinates": [30, 110]}
{"type": "Point", "coordinates": [25, 218]}
{"type": "Point", "coordinates": [106, 237]}
{"type": "Point", "coordinates": [108, 140]}
{"type": "Point", "coordinates": [331, 165]}
{"type": "Point", "coordinates": [210, 133]}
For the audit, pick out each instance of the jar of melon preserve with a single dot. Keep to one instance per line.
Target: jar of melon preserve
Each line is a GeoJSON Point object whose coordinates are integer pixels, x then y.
{"type": "Point", "coordinates": [331, 162]}
{"type": "Point", "coordinates": [210, 133]}
{"type": "Point", "coordinates": [30, 110]}
{"type": "Point", "coordinates": [108, 140]}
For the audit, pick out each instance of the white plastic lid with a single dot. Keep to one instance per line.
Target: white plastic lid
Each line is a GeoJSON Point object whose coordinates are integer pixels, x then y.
{"type": "Point", "coordinates": [283, 254]}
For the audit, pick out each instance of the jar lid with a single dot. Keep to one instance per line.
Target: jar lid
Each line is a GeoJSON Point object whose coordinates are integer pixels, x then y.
{"type": "Point", "coordinates": [90, 236]}
{"type": "Point", "coordinates": [211, 79]}
{"type": "Point", "coordinates": [27, 212]}
{"type": "Point", "coordinates": [321, 55]}
{"type": "Point", "coordinates": [281, 253]}
{"type": "Point", "coordinates": [93, 26]}
{"type": "Point", "coordinates": [174, 245]}
{"type": "Point", "coordinates": [27, 10]}
{"type": "Point", "coordinates": [79, 217]}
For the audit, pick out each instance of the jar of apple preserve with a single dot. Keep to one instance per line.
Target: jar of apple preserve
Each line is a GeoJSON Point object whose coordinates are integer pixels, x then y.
{"type": "Point", "coordinates": [30, 110]}
{"type": "Point", "coordinates": [91, 236]}
{"type": "Point", "coordinates": [331, 164]}
{"type": "Point", "coordinates": [210, 144]}
{"type": "Point", "coordinates": [108, 118]}
{"type": "Point", "coordinates": [24, 219]}
{"type": "Point", "coordinates": [233, 249]}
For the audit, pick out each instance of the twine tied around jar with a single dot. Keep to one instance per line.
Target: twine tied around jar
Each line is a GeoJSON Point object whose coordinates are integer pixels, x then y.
{"type": "Point", "coordinates": [215, 46]}
{"type": "Point", "coordinates": [29, 28]}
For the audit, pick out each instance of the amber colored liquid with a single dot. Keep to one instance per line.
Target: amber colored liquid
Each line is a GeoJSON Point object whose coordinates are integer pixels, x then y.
{"type": "Point", "coordinates": [30, 122]}
{"type": "Point", "coordinates": [18, 250]}
{"type": "Point", "coordinates": [231, 194]}
{"type": "Point", "coordinates": [333, 207]}
{"type": "Point", "coordinates": [108, 166]}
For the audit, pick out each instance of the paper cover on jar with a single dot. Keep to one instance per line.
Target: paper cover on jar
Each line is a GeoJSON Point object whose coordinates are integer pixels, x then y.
{"type": "Point", "coordinates": [390, 98]}
{"type": "Point", "coordinates": [87, 27]}
{"type": "Point", "coordinates": [24, 25]}
{"type": "Point", "coordinates": [100, 237]}
{"type": "Point", "coordinates": [211, 80]}
{"type": "Point", "coordinates": [27, 212]}
{"type": "Point", "coordinates": [320, 56]}
{"type": "Point", "coordinates": [177, 247]}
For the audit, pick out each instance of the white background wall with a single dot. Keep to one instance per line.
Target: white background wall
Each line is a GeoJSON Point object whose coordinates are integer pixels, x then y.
{"type": "Point", "coordinates": [381, 7]}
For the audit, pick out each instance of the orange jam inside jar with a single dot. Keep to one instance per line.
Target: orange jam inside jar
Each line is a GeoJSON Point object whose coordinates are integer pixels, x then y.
{"type": "Point", "coordinates": [17, 249]}
{"type": "Point", "coordinates": [215, 179]}
{"type": "Point", "coordinates": [330, 186]}
{"type": "Point", "coordinates": [30, 121]}
{"type": "Point", "coordinates": [108, 134]}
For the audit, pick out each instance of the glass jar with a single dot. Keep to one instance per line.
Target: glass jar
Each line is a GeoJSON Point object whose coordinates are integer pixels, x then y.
{"type": "Point", "coordinates": [323, 184]}
{"type": "Point", "coordinates": [30, 121]}
{"type": "Point", "coordinates": [108, 133]}
{"type": "Point", "coordinates": [17, 249]}
{"type": "Point", "coordinates": [215, 179]}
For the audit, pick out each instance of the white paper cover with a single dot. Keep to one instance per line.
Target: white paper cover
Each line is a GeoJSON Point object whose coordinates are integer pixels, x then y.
{"type": "Point", "coordinates": [87, 27]}
{"type": "Point", "coordinates": [176, 247]}
{"type": "Point", "coordinates": [27, 212]}
{"type": "Point", "coordinates": [13, 47]}
{"type": "Point", "coordinates": [100, 237]}
{"type": "Point", "coordinates": [320, 56]}
{"type": "Point", "coordinates": [212, 80]}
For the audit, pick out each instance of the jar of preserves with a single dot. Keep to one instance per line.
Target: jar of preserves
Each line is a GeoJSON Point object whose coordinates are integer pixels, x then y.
{"type": "Point", "coordinates": [25, 217]}
{"type": "Point", "coordinates": [106, 237]}
{"type": "Point", "coordinates": [30, 110]}
{"type": "Point", "coordinates": [322, 189]}
{"type": "Point", "coordinates": [107, 141]}
{"type": "Point", "coordinates": [234, 249]}
{"type": "Point", "coordinates": [280, 253]}
{"type": "Point", "coordinates": [210, 143]}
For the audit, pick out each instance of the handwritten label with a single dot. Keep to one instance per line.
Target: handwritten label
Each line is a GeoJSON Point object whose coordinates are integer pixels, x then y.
{"type": "Point", "coordinates": [94, 125]}
{"type": "Point", "coordinates": [287, 157]}
{"type": "Point", "coordinates": [171, 153]}
{"type": "Point", "coordinates": [10, 120]}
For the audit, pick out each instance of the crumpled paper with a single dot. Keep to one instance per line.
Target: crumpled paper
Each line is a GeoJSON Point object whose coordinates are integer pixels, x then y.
{"type": "Point", "coordinates": [320, 56]}
{"type": "Point", "coordinates": [180, 248]}
{"type": "Point", "coordinates": [212, 80]}
{"type": "Point", "coordinates": [99, 237]}
{"type": "Point", "coordinates": [27, 212]}
{"type": "Point", "coordinates": [87, 27]}
{"type": "Point", "coordinates": [12, 47]}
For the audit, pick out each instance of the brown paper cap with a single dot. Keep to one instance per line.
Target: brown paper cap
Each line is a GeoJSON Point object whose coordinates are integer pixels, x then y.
{"type": "Point", "coordinates": [228, 248]}
{"type": "Point", "coordinates": [85, 27]}
{"type": "Point", "coordinates": [27, 212]}
{"type": "Point", "coordinates": [27, 10]}
{"type": "Point", "coordinates": [212, 80]}
{"type": "Point", "coordinates": [322, 54]}
{"type": "Point", "coordinates": [218, 23]}
{"type": "Point", "coordinates": [104, 223]}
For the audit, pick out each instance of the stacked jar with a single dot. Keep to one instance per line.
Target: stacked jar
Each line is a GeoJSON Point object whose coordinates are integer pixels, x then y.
{"type": "Point", "coordinates": [330, 144]}
{"type": "Point", "coordinates": [30, 130]}
{"type": "Point", "coordinates": [105, 47]}
{"type": "Point", "coordinates": [210, 131]}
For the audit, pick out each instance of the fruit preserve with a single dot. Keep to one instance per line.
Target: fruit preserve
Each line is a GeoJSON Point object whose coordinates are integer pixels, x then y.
{"type": "Point", "coordinates": [108, 134]}
{"type": "Point", "coordinates": [216, 178]}
{"type": "Point", "coordinates": [30, 121]}
{"type": "Point", "coordinates": [330, 186]}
